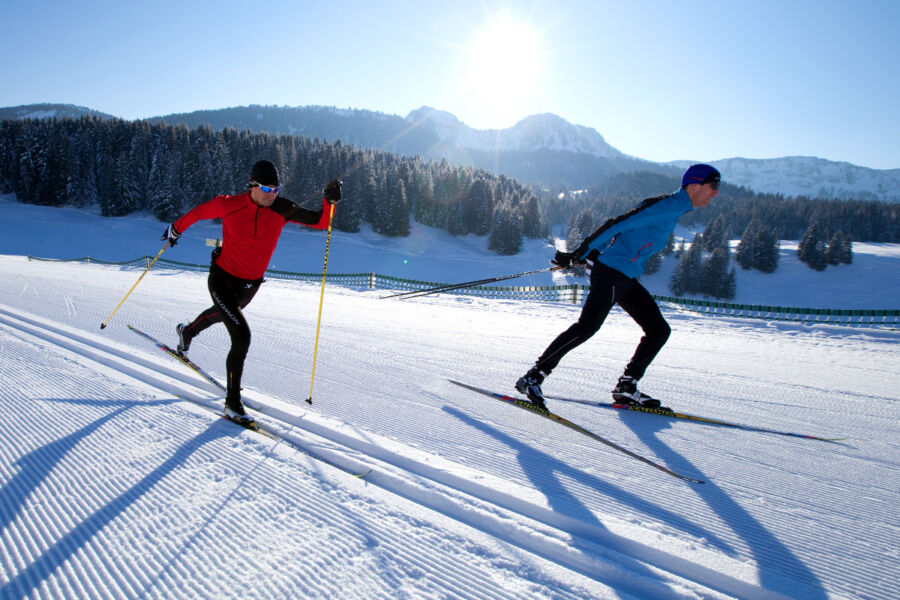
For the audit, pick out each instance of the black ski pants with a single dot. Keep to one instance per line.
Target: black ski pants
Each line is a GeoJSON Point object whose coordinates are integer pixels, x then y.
{"type": "Point", "coordinates": [608, 288]}
{"type": "Point", "coordinates": [230, 295]}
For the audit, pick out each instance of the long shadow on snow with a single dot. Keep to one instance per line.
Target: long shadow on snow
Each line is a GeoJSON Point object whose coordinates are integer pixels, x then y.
{"type": "Point", "coordinates": [545, 472]}
{"type": "Point", "coordinates": [780, 570]}
{"type": "Point", "coordinates": [37, 466]}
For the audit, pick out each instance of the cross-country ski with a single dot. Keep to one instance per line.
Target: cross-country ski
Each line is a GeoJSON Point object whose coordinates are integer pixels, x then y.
{"type": "Point", "coordinates": [526, 405]}
{"type": "Point", "coordinates": [252, 424]}
{"type": "Point", "coordinates": [667, 412]}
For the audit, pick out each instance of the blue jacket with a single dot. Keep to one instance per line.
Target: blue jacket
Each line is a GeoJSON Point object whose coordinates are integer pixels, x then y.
{"type": "Point", "coordinates": [625, 243]}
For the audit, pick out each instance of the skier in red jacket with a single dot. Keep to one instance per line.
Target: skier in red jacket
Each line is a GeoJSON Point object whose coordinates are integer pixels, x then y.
{"type": "Point", "coordinates": [251, 226]}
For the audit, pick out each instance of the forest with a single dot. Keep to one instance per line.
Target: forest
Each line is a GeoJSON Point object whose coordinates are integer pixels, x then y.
{"type": "Point", "coordinates": [133, 166]}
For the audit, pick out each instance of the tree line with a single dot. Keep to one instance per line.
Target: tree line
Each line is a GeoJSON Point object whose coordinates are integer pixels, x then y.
{"type": "Point", "coordinates": [826, 228]}
{"type": "Point", "coordinates": [129, 166]}
{"type": "Point", "coordinates": [787, 217]}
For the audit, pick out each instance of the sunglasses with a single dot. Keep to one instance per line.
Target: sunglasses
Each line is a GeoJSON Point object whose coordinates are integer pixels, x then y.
{"type": "Point", "coordinates": [267, 189]}
{"type": "Point", "coordinates": [713, 182]}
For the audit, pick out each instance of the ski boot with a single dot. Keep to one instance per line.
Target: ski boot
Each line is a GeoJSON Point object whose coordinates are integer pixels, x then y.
{"type": "Point", "coordinates": [234, 411]}
{"type": "Point", "coordinates": [530, 385]}
{"type": "Point", "coordinates": [626, 392]}
{"type": "Point", "coordinates": [184, 342]}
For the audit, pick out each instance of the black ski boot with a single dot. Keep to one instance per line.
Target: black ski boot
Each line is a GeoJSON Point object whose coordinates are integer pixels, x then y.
{"type": "Point", "coordinates": [184, 342]}
{"type": "Point", "coordinates": [234, 411]}
{"type": "Point", "coordinates": [530, 385]}
{"type": "Point", "coordinates": [626, 392]}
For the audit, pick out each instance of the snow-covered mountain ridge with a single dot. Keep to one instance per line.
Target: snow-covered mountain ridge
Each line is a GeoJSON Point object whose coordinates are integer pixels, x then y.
{"type": "Point", "coordinates": [544, 131]}
{"type": "Point", "coordinates": [809, 176]}
{"type": "Point", "coordinates": [543, 148]}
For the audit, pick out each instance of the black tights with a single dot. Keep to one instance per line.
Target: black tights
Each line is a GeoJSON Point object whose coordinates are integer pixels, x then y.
{"type": "Point", "coordinates": [230, 295]}
{"type": "Point", "coordinates": [608, 288]}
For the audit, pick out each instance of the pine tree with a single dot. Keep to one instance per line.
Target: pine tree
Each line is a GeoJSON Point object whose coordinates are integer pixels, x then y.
{"type": "Point", "coordinates": [745, 253]}
{"type": "Point", "coordinates": [653, 264]}
{"type": "Point", "coordinates": [758, 248]}
{"type": "Point", "coordinates": [670, 245]}
{"type": "Point", "coordinates": [811, 249]}
{"type": "Point", "coordinates": [716, 234]}
{"type": "Point", "coordinates": [506, 237]}
{"type": "Point", "coordinates": [687, 276]}
{"type": "Point", "coordinates": [478, 207]}
{"type": "Point", "coordinates": [767, 250]}
{"type": "Point", "coordinates": [833, 248]}
{"type": "Point", "coordinates": [581, 225]}
{"type": "Point", "coordinates": [532, 224]}
{"type": "Point", "coordinates": [846, 253]}
{"type": "Point", "coordinates": [714, 275]}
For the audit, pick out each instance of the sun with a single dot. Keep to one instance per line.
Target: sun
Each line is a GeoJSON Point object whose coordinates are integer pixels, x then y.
{"type": "Point", "coordinates": [504, 63]}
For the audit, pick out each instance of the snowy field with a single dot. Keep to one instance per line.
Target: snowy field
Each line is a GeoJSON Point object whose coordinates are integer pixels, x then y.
{"type": "Point", "coordinates": [871, 282]}
{"type": "Point", "coordinates": [114, 487]}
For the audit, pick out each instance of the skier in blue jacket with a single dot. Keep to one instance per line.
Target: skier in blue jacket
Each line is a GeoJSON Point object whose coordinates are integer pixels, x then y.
{"type": "Point", "coordinates": [617, 254]}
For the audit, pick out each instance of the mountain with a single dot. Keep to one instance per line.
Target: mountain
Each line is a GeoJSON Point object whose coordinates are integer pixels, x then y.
{"type": "Point", "coordinates": [809, 176]}
{"type": "Point", "coordinates": [542, 149]}
{"type": "Point", "coordinates": [50, 111]}
{"type": "Point", "coordinates": [545, 131]}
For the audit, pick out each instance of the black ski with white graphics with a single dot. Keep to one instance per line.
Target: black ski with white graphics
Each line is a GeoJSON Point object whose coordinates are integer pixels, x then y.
{"type": "Point", "coordinates": [668, 412]}
{"type": "Point", "coordinates": [180, 358]}
{"type": "Point", "coordinates": [526, 405]}
{"type": "Point", "coordinates": [255, 426]}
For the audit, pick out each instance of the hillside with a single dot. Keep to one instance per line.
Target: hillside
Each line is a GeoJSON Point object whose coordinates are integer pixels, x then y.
{"type": "Point", "coordinates": [871, 282]}
{"type": "Point", "coordinates": [540, 149]}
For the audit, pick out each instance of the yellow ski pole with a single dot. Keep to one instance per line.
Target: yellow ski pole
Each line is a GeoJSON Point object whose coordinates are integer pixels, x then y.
{"type": "Point", "coordinates": [103, 324]}
{"type": "Point", "coordinates": [321, 298]}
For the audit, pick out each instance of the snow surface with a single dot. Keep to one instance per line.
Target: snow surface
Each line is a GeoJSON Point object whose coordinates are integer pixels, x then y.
{"type": "Point", "coordinates": [114, 487]}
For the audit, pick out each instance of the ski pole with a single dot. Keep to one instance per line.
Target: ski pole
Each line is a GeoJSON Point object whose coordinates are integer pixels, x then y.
{"type": "Point", "coordinates": [456, 286]}
{"type": "Point", "coordinates": [312, 377]}
{"type": "Point", "coordinates": [103, 324]}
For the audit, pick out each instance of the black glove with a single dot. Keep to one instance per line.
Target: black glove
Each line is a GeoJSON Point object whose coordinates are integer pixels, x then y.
{"type": "Point", "coordinates": [333, 191]}
{"type": "Point", "coordinates": [171, 234]}
{"type": "Point", "coordinates": [564, 259]}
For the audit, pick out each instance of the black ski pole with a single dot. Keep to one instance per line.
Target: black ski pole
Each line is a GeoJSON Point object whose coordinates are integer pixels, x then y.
{"type": "Point", "coordinates": [456, 286]}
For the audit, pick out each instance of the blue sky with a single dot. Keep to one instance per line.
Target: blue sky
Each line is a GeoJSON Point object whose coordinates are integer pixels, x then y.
{"type": "Point", "coordinates": [661, 80]}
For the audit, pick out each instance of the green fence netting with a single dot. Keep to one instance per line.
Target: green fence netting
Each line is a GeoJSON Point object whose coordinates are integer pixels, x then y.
{"type": "Point", "coordinates": [571, 294]}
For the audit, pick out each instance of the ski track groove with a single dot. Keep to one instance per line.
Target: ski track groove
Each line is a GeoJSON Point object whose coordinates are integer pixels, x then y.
{"type": "Point", "coordinates": [719, 465]}
{"type": "Point", "coordinates": [49, 336]}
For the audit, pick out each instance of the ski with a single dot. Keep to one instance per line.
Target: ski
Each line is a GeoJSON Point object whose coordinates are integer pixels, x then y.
{"type": "Point", "coordinates": [180, 358]}
{"type": "Point", "coordinates": [668, 412]}
{"type": "Point", "coordinates": [255, 426]}
{"type": "Point", "coordinates": [526, 405]}
{"type": "Point", "coordinates": [266, 431]}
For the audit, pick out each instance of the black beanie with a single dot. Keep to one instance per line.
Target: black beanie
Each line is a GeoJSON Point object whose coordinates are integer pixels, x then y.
{"type": "Point", "coordinates": [264, 172]}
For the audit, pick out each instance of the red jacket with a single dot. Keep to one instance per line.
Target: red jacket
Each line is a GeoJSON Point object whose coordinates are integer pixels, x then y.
{"type": "Point", "coordinates": [250, 232]}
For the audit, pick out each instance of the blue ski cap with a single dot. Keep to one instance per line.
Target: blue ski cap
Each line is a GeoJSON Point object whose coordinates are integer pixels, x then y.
{"type": "Point", "coordinates": [700, 174]}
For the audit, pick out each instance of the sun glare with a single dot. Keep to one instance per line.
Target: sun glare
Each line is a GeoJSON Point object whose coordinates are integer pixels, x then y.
{"type": "Point", "coordinates": [504, 62]}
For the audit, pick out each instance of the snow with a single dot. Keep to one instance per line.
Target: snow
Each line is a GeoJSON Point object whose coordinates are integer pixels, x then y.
{"type": "Point", "coordinates": [113, 486]}
{"type": "Point", "coordinates": [808, 176]}
{"type": "Point", "coordinates": [542, 131]}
